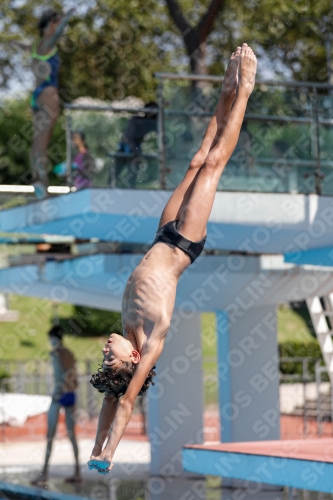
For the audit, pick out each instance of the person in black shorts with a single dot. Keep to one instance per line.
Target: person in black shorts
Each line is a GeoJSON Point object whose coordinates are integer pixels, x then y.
{"type": "Point", "coordinates": [65, 384]}
{"type": "Point", "coordinates": [149, 297]}
{"type": "Point", "coordinates": [137, 128]}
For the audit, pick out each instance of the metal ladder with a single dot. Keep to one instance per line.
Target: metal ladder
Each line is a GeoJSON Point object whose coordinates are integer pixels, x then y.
{"type": "Point", "coordinates": [321, 312]}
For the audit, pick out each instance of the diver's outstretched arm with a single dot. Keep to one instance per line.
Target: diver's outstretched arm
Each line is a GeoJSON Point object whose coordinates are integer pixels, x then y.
{"type": "Point", "coordinates": [150, 354]}
{"type": "Point", "coordinates": [106, 416]}
{"type": "Point", "coordinates": [49, 42]}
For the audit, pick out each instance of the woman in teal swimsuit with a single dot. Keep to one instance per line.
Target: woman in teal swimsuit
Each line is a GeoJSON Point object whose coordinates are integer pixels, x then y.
{"type": "Point", "coordinates": [45, 98]}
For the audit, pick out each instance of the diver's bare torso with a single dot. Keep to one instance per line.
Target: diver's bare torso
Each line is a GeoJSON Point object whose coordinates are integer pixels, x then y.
{"type": "Point", "coordinates": [150, 293]}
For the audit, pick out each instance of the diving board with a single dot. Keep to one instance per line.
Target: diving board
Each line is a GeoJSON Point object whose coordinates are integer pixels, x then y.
{"type": "Point", "coordinates": [274, 223]}
{"type": "Point", "coordinates": [314, 257]}
{"type": "Point", "coordinates": [302, 464]}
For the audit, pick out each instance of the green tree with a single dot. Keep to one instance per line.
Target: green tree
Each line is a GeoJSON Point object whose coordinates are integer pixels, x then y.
{"type": "Point", "coordinates": [295, 38]}
{"type": "Point", "coordinates": [110, 49]}
{"type": "Point", "coordinates": [296, 34]}
{"type": "Point", "coordinates": [195, 37]}
{"type": "Point", "coordinates": [15, 140]}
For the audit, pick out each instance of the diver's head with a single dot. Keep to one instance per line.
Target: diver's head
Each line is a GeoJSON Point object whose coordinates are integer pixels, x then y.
{"type": "Point", "coordinates": [118, 350]}
{"type": "Point", "coordinates": [48, 22]}
{"type": "Point", "coordinates": [120, 362]}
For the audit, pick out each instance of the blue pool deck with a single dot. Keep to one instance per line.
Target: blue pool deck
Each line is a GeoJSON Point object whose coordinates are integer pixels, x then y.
{"type": "Point", "coordinates": [302, 464]}
{"type": "Point", "coordinates": [28, 493]}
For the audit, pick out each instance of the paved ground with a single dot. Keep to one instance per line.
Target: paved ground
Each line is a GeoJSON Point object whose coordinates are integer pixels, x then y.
{"type": "Point", "coordinates": [132, 458]}
{"type": "Point", "coordinates": [21, 459]}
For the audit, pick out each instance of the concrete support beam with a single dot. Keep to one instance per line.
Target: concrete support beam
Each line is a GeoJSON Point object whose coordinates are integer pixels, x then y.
{"type": "Point", "coordinates": [248, 375]}
{"type": "Point", "coordinates": [175, 403]}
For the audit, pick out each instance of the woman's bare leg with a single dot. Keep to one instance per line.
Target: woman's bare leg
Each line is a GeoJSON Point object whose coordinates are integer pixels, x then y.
{"type": "Point", "coordinates": [182, 193]}
{"type": "Point", "coordinates": [194, 215]}
{"type": "Point", "coordinates": [44, 121]}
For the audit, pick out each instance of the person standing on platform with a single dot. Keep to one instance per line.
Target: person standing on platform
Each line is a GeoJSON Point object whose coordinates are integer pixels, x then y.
{"type": "Point", "coordinates": [65, 378]}
{"type": "Point", "coordinates": [45, 102]}
{"type": "Point", "coordinates": [137, 128]}
{"type": "Point", "coordinates": [83, 166]}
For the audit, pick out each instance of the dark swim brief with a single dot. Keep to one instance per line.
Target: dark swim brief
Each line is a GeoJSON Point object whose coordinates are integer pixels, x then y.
{"type": "Point", "coordinates": [67, 399]}
{"type": "Point", "coordinates": [169, 234]}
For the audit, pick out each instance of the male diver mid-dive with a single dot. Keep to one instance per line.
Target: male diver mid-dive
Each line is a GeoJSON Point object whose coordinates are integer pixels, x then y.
{"type": "Point", "coordinates": [149, 296]}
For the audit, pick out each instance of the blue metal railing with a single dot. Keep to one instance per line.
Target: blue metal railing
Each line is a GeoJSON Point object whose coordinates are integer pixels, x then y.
{"type": "Point", "coordinates": [285, 145]}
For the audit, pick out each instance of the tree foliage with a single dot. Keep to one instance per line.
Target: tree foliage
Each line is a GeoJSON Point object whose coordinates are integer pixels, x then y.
{"type": "Point", "coordinates": [110, 49]}
{"type": "Point", "coordinates": [292, 36]}
{"type": "Point", "coordinates": [15, 141]}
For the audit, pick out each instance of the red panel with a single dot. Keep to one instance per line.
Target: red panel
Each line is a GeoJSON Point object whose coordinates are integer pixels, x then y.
{"type": "Point", "coordinates": [320, 450]}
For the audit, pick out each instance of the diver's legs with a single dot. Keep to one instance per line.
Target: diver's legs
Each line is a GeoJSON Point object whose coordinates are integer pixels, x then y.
{"type": "Point", "coordinates": [182, 193]}
{"type": "Point", "coordinates": [44, 121]}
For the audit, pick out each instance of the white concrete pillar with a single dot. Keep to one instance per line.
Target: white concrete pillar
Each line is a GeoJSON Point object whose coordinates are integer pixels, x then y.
{"type": "Point", "coordinates": [248, 374]}
{"type": "Point", "coordinates": [175, 403]}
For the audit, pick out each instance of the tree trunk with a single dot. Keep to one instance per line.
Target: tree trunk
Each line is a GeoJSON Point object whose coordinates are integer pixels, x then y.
{"type": "Point", "coordinates": [197, 55]}
{"type": "Point", "coordinates": [195, 38]}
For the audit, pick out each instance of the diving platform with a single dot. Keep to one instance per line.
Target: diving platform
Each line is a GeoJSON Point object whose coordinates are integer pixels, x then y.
{"type": "Point", "coordinates": [275, 223]}
{"type": "Point", "coordinates": [313, 257]}
{"type": "Point", "coordinates": [302, 464]}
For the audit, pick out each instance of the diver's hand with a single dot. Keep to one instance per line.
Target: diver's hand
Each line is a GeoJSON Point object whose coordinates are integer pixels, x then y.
{"type": "Point", "coordinates": [102, 463]}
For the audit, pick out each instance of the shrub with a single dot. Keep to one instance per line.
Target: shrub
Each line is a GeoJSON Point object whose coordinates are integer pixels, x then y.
{"type": "Point", "coordinates": [4, 380]}
{"type": "Point", "coordinates": [296, 349]}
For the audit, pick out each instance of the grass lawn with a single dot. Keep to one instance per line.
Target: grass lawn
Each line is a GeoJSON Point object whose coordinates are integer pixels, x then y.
{"type": "Point", "coordinates": [27, 338]}
{"type": "Point", "coordinates": [294, 325]}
